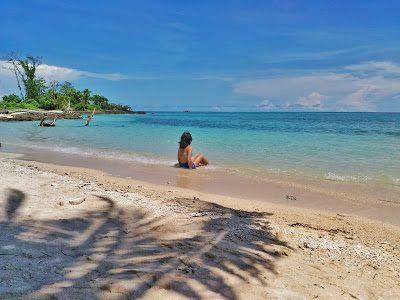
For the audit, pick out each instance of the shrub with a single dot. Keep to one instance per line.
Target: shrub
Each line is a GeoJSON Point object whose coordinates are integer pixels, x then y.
{"type": "Point", "coordinates": [12, 98]}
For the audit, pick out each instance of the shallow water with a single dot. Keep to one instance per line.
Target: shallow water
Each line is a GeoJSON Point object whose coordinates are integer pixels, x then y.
{"type": "Point", "coordinates": [348, 147]}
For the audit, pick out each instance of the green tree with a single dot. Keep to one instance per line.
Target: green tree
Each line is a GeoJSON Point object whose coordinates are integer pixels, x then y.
{"type": "Point", "coordinates": [32, 85]}
{"type": "Point", "coordinates": [80, 107]}
{"type": "Point", "coordinates": [12, 98]}
{"type": "Point", "coordinates": [24, 70]}
{"type": "Point", "coordinates": [35, 93]}
{"type": "Point", "coordinates": [62, 101]}
{"type": "Point", "coordinates": [67, 89]}
{"type": "Point", "coordinates": [86, 97]}
{"type": "Point", "coordinates": [54, 84]}
{"type": "Point", "coordinates": [100, 101]}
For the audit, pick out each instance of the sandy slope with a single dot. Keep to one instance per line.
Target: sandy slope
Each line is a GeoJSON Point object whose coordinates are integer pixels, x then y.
{"type": "Point", "coordinates": [130, 239]}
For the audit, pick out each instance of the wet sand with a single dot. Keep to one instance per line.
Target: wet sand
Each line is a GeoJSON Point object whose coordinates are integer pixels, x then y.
{"type": "Point", "coordinates": [333, 196]}
{"type": "Point", "coordinates": [132, 239]}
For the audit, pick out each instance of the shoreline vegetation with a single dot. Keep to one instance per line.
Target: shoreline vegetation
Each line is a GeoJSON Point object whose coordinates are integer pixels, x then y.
{"type": "Point", "coordinates": [71, 232]}
{"type": "Point", "coordinates": [35, 93]}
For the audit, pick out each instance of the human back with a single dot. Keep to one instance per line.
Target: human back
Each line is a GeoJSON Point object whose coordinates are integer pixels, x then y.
{"type": "Point", "coordinates": [186, 158]}
{"type": "Point", "coordinates": [185, 154]}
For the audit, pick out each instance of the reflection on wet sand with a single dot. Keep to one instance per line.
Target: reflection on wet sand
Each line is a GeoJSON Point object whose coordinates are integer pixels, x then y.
{"type": "Point", "coordinates": [192, 180]}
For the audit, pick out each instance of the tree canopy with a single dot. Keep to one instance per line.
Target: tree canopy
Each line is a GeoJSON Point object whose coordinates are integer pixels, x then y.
{"type": "Point", "coordinates": [36, 93]}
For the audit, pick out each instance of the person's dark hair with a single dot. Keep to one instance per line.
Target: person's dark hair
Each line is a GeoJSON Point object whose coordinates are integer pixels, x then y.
{"type": "Point", "coordinates": [186, 139]}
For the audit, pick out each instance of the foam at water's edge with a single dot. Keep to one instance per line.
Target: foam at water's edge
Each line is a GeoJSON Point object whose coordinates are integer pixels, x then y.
{"type": "Point", "coordinates": [113, 154]}
{"type": "Point", "coordinates": [336, 177]}
{"type": "Point", "coordinates": [108, 154]}
{"type": "Point", "coordinates": [396, 180]}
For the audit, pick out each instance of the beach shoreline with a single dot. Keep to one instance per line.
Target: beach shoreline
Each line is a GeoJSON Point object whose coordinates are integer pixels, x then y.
{"type": "Point", "coordinates": [326, 195]}
{"type": "Point", "coordinates": [137, 239]}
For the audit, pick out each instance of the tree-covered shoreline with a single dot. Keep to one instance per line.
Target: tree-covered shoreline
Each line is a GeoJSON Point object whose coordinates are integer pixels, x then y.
{"type": "Point", "coordinates": [38, 94]}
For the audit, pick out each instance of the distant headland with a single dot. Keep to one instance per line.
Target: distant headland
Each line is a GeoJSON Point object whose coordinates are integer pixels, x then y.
{"type": "Point", "coordinates": [37, 94]}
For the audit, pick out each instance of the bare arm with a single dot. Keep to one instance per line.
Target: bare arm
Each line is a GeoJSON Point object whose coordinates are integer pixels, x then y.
{"type": "Point", "coordinates": [189, 156]}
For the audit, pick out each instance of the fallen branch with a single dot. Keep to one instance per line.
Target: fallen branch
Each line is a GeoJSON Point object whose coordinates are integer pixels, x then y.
{"type": "Point", "coordinates": [89, 118]}
{"type": "Point", "coordinates": [51, 124]}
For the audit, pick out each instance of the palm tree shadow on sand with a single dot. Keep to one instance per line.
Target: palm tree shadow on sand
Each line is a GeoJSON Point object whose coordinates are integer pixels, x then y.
{"type": "Point", "coordinates": [109, 252]}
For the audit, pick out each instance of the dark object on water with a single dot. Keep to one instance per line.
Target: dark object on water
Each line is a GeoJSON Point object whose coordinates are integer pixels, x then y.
{"type": "Point", "coordinates": [290, 197]}
{"type": "Point", "coordinates": [186, 111]}
{"type": "Point", "coordinates": [90, 117]}
{"type": "Point", "coordinates": [51, 124]}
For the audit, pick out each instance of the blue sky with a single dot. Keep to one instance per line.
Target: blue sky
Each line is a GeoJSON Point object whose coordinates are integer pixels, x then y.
{"type": "Point", "coordinates": [214, 55]}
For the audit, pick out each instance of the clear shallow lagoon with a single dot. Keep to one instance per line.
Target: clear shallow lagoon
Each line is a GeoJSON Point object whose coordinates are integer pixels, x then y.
{"type": "Point", "coordinates": [355, 147]}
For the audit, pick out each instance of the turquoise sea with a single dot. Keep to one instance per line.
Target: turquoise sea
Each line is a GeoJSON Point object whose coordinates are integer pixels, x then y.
{"type": "Point", "coordinates": [354, 147]}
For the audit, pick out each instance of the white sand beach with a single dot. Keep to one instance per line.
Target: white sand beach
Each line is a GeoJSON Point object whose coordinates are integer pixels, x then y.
{"type": "Point", "coordinates": [130, 239]}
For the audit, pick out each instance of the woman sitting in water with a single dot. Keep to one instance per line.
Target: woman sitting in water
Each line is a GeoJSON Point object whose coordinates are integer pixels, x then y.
{"type": "Point", "coordinates": [186, 158]}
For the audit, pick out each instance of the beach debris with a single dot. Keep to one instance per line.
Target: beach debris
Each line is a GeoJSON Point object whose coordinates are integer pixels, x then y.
{"type": "Point", "coordinates": [90, 117]}
{"type": "Point", "coordinates": [168, 182]}
{"type": "Point", "coordinates": [76, 201]}
{"type": "Point", "coordinates": [61, 203]}
{"type": "Point", "coordinates": [196, 198]}
{"type": "Point", "coordinates": [51, 124]}
{"type": "Point", "coordinates": [127, 230]}
{"type": "Point", "coordinates": [53, 184]}
{"type": "Point", "coordinates": [291, 197]}
{"type": "Point", "coordinates": [335, 231]}
{"type": "Point", "coordinates": [316, 284]}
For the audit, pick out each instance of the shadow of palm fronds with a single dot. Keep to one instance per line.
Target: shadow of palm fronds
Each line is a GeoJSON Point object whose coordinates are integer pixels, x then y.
{"type": "Point", "coordinates": [128, 252]}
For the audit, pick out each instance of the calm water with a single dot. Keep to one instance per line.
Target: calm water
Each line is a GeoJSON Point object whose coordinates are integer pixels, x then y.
{"type": "Point", "coordinates": [335, 146]}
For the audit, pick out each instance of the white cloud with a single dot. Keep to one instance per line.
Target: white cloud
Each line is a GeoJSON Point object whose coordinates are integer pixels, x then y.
{"type": "Point", "coordinates": [67, 74]}
{"type": "Point", "coordinates": [314, 99]}
{"type": "Point", "coordinates": [383, 67]}
{"type": "Point", "coordinates": [356, 88]}
{"type": "Point", "coordinates": [359, 100]}
{"type": "Point", "coordinates": [266, 105]}
{"type": "Point", "coordinates": [8, 81]}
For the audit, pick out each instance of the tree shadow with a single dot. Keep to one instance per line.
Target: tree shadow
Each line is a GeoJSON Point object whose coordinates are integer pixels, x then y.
{"type": "Point", "coordinates": [107, 251]}
{"type": "Point", "coordinates": [15, 199]}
